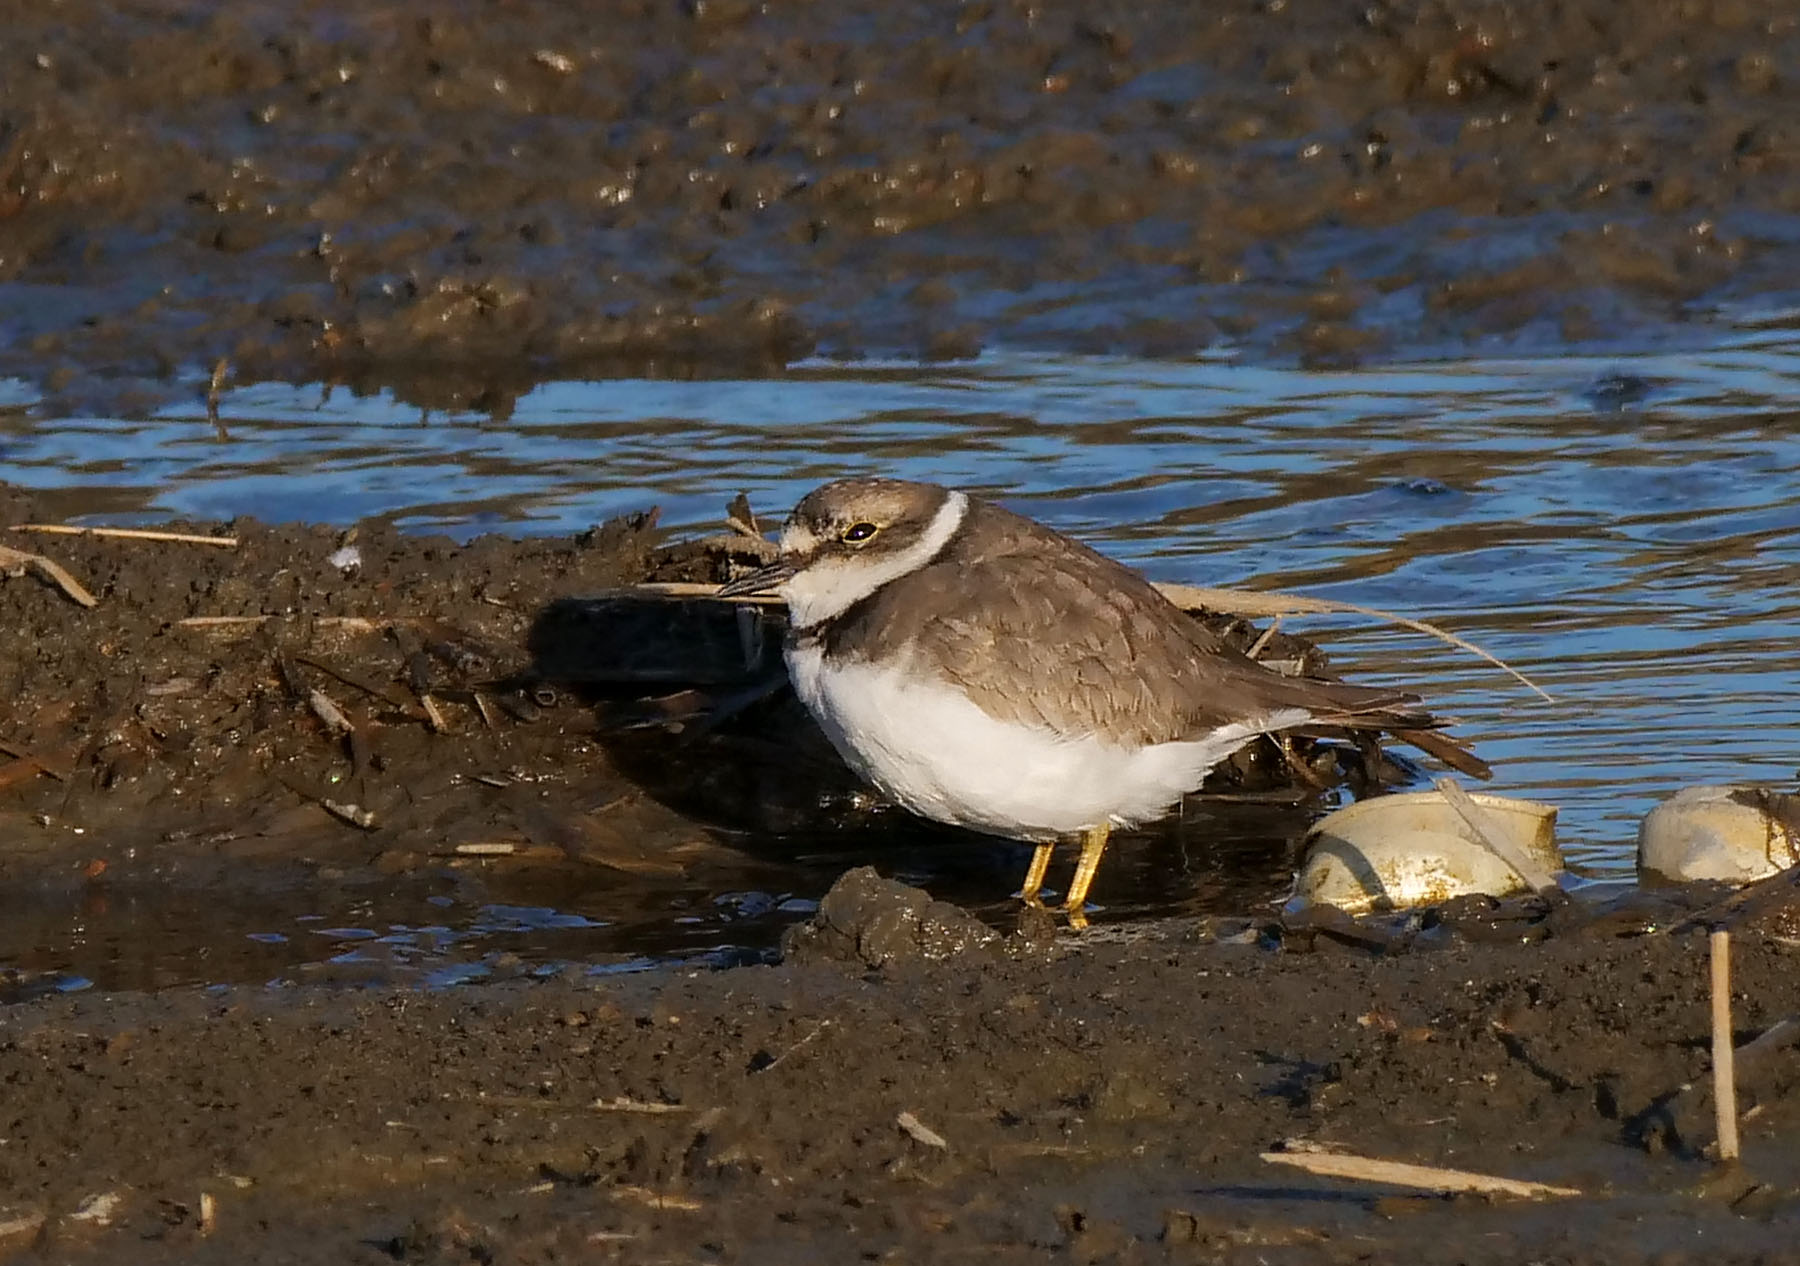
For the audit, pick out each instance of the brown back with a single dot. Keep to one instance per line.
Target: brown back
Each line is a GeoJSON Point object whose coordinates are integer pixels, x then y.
{"type": "Point", "coordinates": [1039, 629]}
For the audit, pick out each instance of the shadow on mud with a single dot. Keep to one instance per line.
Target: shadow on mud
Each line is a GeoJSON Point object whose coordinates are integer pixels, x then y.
{"type": "Point", "coordinates": [692, 705]}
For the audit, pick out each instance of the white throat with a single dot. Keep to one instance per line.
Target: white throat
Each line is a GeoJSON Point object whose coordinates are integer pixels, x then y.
{"type": "Point", "coordinates": [832, 586]}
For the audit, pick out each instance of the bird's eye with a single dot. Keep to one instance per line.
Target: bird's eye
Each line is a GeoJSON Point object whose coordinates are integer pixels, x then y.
{"type": "Point", "coordinates": [857, 533]}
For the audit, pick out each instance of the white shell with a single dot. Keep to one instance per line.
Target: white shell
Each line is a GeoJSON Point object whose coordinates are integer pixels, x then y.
{"type": "Point", "coordinates": [1733, 834]}
{"type": "Point", "coordinates": [1414, 849]}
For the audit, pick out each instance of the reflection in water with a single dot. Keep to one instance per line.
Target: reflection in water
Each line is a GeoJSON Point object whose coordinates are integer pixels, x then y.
{"type": "Point", "coordinates": [1626, 530]}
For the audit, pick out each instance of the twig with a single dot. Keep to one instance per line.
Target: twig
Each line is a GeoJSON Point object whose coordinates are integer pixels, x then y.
{"type": "Point", "coordinates": [696, 589]}
{"type": "Point", "coordinates": [434, 716]}
{"type": "Point", "coordinates": [1243, 602]}
{"type": "Point", "coordinates": [1267, 636]}
{"type": "Point", "coordinates": [352, 814]}
{"type": "Point", "coordinates": [349, 623]}
{"type": "Point", "coordinates": [1270, 603]}
{"type": "Point", "coordinates": [16, 562]}
{"type": "Point", "coordinates": [1423, 1177]}
{"type": "Point", "coordinates": [485, 706]}
{"type": "Point", "coordinates": [486, 848]}
{"type": "Point", "coordinates": [1536, 877]}
{"type": "Point", "coordinates": [817, 1029]}
{"type": "Point", "coordinates": [619, 1103]}
{"type": "Point", "coordinates": [656, 1199]}
{"type": "Point", "coordinates": [328, 712]}
{"type": "Point", "coordinates": [921, 1132]}
{"type": "Point", "coordinates": [354, 682]}
{"type": "Point", "coordinates": [1724, 1077]}
{"type": "Point", "coordinates": [128, 534]}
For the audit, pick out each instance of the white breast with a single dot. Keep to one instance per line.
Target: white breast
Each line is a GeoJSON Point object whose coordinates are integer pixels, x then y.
{"type": "Point", "coordinates": [934, 751]}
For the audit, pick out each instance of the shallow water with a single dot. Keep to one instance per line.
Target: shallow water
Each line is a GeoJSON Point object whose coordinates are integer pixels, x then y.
{"type": "Point", "coordinates": [1625, 530]}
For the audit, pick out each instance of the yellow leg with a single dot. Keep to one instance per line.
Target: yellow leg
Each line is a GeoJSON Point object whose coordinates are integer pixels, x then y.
{"type": "Point", "coordinates": [1034, 877]}
{"type": "Point", "coordinates": [1093, 843]}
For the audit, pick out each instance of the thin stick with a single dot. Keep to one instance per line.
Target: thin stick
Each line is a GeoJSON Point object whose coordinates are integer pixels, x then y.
{"type": "Point", "coordinates": [1268, 635]}
{"type": "Point", "coordinates": [1257, 605]}
{"type": "Point", "coordinates": [1271, 603]}
{"type": "Point", "coordinates": [1536, 877]}
{"type": "Point", "coordinates": [16, 562]}
{"type": "Point", "coordinates": [1424, 1177]}
{"type": "Point", "coordinates": [619, 1103]}
{"type": "Point", "coordinates": [921, 1132]}
{"type": "Point", "coordinates": [1724, 1075]}
{"type": "Point", "coordinates": [128, 534]}
{"type": "Point", "coordinates": [349, 623]}
{"type": "Point", "coordinates": [486, 848]}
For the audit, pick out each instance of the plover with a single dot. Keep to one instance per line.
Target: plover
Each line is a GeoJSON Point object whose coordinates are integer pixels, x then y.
{"type": "Point", "coordinates": [986, 671]}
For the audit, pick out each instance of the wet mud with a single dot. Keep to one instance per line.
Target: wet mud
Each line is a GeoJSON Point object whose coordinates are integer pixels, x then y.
{"type": "Point", "coordinates": [1095, 1100]}
{"type": "Point", "coordinates": [898, 1074]}
{"type": "Point", "coordinates": [460, 203]}
{"type": "Point", "coordinates": [495, 723]}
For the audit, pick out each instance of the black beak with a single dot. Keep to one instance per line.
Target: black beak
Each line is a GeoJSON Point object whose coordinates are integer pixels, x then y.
{"type": "Point", "coordinates": [761, 580]}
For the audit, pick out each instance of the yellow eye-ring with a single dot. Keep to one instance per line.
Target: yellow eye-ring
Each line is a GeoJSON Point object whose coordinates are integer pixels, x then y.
{"type": "Point", "coordinates": [857, 533]}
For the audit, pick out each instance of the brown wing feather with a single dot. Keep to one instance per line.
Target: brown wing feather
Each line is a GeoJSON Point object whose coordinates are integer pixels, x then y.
{"type": "Point", "coordinates": [1012, 602]}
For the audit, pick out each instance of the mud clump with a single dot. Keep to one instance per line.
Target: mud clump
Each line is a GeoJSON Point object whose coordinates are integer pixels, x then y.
{"type": "Point", "coordinates": [459, 205]}
{"type": "Point", "coordinates": [876, 922]}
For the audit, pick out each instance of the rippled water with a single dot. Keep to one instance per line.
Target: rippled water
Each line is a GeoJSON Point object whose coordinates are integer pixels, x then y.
{"type": "Point", "coordinates": [1625, 530]}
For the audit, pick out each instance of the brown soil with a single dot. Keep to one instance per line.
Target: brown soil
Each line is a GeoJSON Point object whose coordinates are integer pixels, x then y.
{"type": "Point", "coordinates": [463, 201]}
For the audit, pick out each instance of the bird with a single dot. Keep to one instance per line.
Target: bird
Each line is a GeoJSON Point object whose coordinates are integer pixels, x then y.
{"type": "Point", "coordinates": [984, 670]}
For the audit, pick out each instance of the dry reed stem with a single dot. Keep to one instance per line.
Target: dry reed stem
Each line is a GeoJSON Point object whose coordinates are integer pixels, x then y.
{"type": "Point", "coordinates": [1723, 1055]}
{"type": "Point", "coordinates": [1535, 876]}
{"type": "Point", "coordinates": [128, 534]}
{"type": "Point", "coordinates": [16, 562]}
{"type": "Point", "coordinates": [920, 1132]}
{"type": "Point", "coordinates": [434, 716]}
{"type": "Point", "coordinates": [1422, 1177]}
{"type": "Point", "coordinates": [1252, 604]}
{"type": "Point", "coordinates": [348, 623]}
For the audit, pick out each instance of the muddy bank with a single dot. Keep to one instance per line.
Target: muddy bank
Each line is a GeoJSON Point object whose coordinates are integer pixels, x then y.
{"type": "Point", "coordinates": [1082, 1100]}
{"type": "Point", "coordinates": [353, 725]}
{"type": "Point", "coordinates": [1094, 1097]}
{"type": "Point", "coordinates": [461, 203]}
